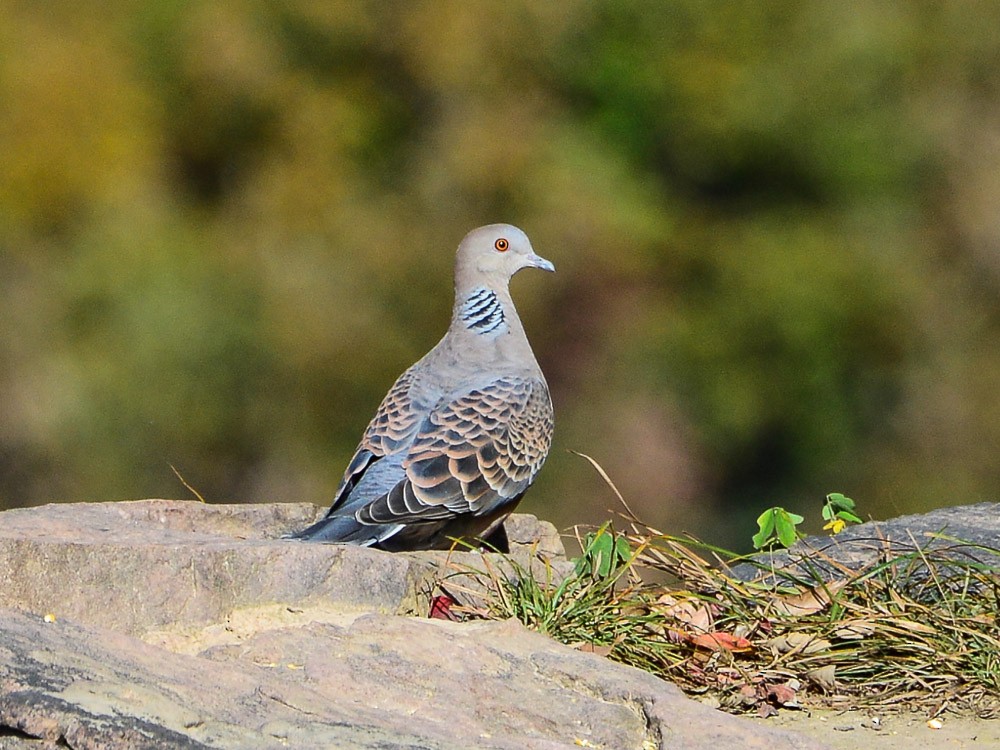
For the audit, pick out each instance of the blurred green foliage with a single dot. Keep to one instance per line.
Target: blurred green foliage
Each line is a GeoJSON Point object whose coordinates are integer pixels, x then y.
{"type": "Point", "coordinates": [226, 226]}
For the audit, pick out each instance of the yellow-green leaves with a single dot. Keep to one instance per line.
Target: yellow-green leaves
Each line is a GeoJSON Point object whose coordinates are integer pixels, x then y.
{"type": "Point", "coordinates": [604, 553]}
{"type": "Point", "coordinates": [838, 511]}
{"type": "Point", "coordinates": [777, 527]}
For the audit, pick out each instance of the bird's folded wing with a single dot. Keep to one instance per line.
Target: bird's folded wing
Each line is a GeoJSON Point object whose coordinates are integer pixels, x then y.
{"type": "Point", "coordinates": [471, 455]}
{"type": "Point", "coordinates": [391, 429]}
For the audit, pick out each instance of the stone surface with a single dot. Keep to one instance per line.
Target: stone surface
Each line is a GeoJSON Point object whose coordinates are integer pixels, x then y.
{"type": "Point", "coordinates": [964, 533]}
{"type": "Point", "coordinates": [379, 681]}
{"type": "Point", "coordinates": [185, 625]}
{"type": "Point", "coordinates": [132, 566]}
{"type": "Point", "coordinates": [136, 566]}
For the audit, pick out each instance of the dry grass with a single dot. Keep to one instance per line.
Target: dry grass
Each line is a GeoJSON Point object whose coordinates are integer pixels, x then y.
{"type": "Point", "coordinates": [919, 630]}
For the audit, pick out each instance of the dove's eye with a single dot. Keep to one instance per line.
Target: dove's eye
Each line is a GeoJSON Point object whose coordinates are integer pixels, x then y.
{"type": "Point", "coordinates": [501, 245]}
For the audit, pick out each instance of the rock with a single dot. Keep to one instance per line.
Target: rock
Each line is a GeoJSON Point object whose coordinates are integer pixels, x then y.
{"type": "Point", "coordinates": [964, 534]}
{"type": "Point", "coordinates": [140, 566]}
{"type": "Point", "coordinates": [185, 625]}
{"type": "Point", "coordinates": [526, 531]}
{"type": "Point", "coordinates": [134, 566]}
{"type": "Point", "coordinates": [380, 681]}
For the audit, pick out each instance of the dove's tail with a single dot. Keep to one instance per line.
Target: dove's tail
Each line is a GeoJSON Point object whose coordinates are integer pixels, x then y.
{"type": "Point", "coordinates": [345, 529]}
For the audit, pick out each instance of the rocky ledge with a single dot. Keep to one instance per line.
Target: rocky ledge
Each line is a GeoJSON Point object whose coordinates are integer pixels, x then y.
{"type": "Point", "coordinates": [169, 624]}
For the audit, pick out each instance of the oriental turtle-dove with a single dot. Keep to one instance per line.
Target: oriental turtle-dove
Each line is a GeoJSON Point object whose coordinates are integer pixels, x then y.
{"type": "Point", "coordinates": [462, 433]}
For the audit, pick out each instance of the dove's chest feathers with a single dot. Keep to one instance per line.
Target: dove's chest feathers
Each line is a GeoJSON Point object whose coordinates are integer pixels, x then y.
{"type": "Point", "coordinates": [485, 341]}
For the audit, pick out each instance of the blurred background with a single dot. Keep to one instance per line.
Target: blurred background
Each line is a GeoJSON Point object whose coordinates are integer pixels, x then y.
{"type": "Point", "coordinates": [227, 226]}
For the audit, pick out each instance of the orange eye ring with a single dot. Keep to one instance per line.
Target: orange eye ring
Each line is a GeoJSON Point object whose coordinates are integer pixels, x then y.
{"type": "Point", "coordinates": [501, 245]}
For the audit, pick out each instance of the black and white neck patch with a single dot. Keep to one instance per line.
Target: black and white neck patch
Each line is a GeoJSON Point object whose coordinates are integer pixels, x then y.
{"type": "Point", "coordinates": [482, 312]}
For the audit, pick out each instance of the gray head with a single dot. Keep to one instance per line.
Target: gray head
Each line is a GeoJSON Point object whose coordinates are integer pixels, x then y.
{"type": "Point", "coordinates": [490, 255]}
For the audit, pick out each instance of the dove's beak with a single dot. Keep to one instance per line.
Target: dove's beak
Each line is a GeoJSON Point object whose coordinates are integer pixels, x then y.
{"type": "Point", "coordinates": [536, 261]}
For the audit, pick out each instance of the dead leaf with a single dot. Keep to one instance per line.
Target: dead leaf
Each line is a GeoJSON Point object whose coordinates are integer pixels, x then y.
{"type": "Point", "coordinates": [695, 672]}
{"type": "Point", "coordinates": [593, 648]}
{"type": "Point", "coordinates": [676, 636]}
{"type": "Point", "coordinates": [800, 643]}
{"type": "Point", "coordinates": [766, 710]}
{"type": "Point", "coordinates": [720, 641]}
{"type": "Point", "coordinates": [441, 608]}
{"type": "Point", "coordinates": [656, 628]}
{"type": "Point", "coordinates": [725, 676]}
{"type": "Point", "coordinates": [694, 614]}
{"type": "Point", "coordinates": [824, 678]}
{"type": "Point", "coordinates": [807, 602]}
{"type": "Point", "coordinates": [854, 630]}
{"type": "Point", "coordinates": [781, 695]}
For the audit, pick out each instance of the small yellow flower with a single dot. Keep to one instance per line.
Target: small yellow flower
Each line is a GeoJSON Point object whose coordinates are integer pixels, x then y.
{"type": "Point", "coordinates": [836, 525]}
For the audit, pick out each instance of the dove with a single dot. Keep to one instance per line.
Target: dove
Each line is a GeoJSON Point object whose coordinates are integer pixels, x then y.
{"type": "Point", "coordinates": [463, 432]}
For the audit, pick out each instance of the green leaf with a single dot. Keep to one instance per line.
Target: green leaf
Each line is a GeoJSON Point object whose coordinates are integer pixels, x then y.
{"type": "Point", "coordinates": [765, 521]}
{"type": "Point", "coordinates": [759, 540]}
{"type": "Point", "coordinates": [584, 562]}
{"type": "Point", "coordinates": [840, 506]}
{"type": "Point", "coordinates": [623, 551]}
{"type": "Point", "coordinates": [777, 526]}
{"type": "Point", "coordinates": [604, 553]}
{"type": "Point", "coordinates": [785, 524]}
{"type": "Point", "coordinates": [839, 501]}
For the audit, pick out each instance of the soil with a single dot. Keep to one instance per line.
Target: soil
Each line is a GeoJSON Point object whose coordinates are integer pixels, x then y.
{"type": "Point", "coordinates": [852, 730]}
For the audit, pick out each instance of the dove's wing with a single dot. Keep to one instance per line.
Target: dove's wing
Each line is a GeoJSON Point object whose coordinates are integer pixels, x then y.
{"type": "Point", "coordinates": [390, 431]}
{"type": "Point", "coordinates": [472, 455]}
{"type": "Point", "coordinates": [376, 466]}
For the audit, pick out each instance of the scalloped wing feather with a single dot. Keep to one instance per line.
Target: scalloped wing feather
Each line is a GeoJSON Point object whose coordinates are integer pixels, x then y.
{"type": "Point", "coordinates": [472, 455]}
{"type": "Point", "coordinates": [391, 429]}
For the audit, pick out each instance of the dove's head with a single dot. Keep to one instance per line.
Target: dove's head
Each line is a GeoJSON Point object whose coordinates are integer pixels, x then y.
{"type": "Point", "coordinates": [492, 254]}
